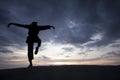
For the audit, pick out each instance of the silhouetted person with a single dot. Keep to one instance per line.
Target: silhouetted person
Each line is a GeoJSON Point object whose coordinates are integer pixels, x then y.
{"type": "Point", "coordinates": [32, 37]}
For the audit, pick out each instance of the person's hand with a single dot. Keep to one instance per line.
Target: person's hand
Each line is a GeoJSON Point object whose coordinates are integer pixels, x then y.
{"type": "Point", "coordinates": [9, 24]}
{"type": "Point", "coordinates": [53, 27]}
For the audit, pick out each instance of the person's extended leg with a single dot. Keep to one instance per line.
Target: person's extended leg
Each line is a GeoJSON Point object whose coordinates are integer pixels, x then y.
{"type": "Point", "coordinates": [37, 48]}
{"type": "Point", "coordinates": [30, 53]}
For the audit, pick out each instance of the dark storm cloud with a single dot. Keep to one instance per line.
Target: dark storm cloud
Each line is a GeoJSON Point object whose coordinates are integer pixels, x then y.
{"type": "Point", "coordinates": [100, 17]}
{"type": "Point", "coordinates": [4, 50]}
{"type": "Point", "coordinates": [116, 45]}
{"type": "Point", "coordinates": [114, 53]}
{"type": "Point", "coordinates": [110, 27]}
{"type": "Point", "coordinates": [94, 17]}
{"type": "Point", "coordinates": [91, 17]}
{"type": "Point", "coordinates": [3, 16]}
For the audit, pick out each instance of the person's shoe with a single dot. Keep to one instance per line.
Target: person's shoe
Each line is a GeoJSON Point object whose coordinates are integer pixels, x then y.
{"type": "Point", "coordinates": [30, 66]}
{"type": "Point", "coordinates": [36, 51]}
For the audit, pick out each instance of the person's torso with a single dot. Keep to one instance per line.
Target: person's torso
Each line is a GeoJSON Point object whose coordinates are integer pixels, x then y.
{"type": "Point", "coordinates": [33, 31]}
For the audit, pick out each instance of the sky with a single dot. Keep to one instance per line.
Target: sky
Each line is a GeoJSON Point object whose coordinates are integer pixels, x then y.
{"type": "Point", "coordinates": [87, 32]}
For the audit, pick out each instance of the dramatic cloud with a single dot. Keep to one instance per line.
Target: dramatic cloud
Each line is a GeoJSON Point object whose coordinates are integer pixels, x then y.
{"type": "Point", "coordinates": [44, 58]}
{"type": "Point", "coordinates": [78, 20]}
{"type": "Point", "coordinates": [84, 29]}
{"type": "Point", "coordinates": [3, 50]}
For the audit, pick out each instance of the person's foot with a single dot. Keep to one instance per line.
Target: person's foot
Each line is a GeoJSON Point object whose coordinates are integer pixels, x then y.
{"type": "Point", "coordinates": [30, 66]}
{"type": "Point", "coordinates": [36, 51]}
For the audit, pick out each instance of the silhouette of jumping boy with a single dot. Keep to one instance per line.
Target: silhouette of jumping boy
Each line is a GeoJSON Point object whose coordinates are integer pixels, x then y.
{"type": "Point", "coordinates": [33, 31]}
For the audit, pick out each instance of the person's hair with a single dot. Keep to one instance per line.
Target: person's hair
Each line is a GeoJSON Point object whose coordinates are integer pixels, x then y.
{"type": "Point", "coordinates": [34, 23]}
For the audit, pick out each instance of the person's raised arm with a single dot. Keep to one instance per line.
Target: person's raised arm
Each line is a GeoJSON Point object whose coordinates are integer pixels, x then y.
{"type": "Point", "coordinates": [19, 25]}
{"type": "Point", "coordinates": [44, 27]}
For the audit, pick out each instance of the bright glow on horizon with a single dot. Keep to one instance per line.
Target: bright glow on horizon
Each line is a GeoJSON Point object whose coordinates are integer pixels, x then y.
{"type": "Point", "coordinates": [60, 54]}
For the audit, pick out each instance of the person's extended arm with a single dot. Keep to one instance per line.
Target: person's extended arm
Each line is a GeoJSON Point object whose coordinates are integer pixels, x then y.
{"type": "Point", "coordinates": [44, 27]}
{"type": "Point", "coordinates": [19, 25]}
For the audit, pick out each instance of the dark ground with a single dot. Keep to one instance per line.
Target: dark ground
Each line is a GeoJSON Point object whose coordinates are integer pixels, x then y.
{"type": "Point", "coordinates": [81, 72]}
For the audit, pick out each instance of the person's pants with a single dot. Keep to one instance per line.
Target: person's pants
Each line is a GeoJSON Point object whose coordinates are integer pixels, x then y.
{"type": "Point", "coordinates": [30, 51]}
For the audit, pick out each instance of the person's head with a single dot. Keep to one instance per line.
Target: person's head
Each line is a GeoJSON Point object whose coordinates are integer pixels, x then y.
{"type": "Point", "coordinates": [34, 24]}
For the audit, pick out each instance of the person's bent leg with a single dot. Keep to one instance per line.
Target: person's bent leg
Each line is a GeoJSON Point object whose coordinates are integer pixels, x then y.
{"type": "Point", "coordinates": [37, 48]}
{"type": "Point", "coordinates": [30, 53]}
